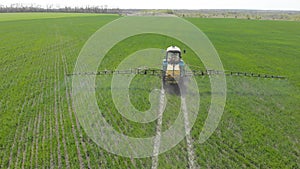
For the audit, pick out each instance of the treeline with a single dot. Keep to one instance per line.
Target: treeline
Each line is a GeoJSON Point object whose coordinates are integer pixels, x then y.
{"type": "Point", "coordinates": [51, 8]}
{"type": "Point", "coordinates": [241, 14]}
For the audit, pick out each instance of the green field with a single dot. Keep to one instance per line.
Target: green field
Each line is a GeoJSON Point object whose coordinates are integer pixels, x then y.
{"type": "Point", "coordinates": [259, 128]}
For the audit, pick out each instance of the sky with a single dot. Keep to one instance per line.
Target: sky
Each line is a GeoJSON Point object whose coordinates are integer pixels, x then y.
{"type": "Point", "coordinates": [169, 4]}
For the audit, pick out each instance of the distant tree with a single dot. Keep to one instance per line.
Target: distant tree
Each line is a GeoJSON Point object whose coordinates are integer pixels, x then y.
{"type": "Point", "coordinates": [169, 11]}
{"type": "Point", "coordinates": [248, 17]}
{"type": "Point", "coordinates": [258, 17]}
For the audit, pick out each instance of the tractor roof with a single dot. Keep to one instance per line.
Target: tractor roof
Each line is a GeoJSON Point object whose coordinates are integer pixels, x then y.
{"type": "Point", "coordinates": [173, 49]}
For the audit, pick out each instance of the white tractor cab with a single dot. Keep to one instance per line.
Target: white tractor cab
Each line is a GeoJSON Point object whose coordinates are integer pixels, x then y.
{"type": "Point", "coordinates": [173, 66]}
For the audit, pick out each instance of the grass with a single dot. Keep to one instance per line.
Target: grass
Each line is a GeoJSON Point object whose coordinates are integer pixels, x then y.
{"type": "Point", "coordinates": [259, 128]}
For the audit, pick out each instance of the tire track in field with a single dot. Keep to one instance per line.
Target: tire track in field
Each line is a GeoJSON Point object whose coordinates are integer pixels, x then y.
{"type": "Point", "coordinates": [189, 141]}
{"type": "Point", "coordinates": [83, 143]}
{"type": "Point", "coordinates": [44, 137]}
{"type": "Point", "coordinates": [26, 144]}
{"type": "Point", "coordinates": [37, 140]}
{"type": "Point", "coordinates": [45, 115]}
{"type": "Point", "coordinates": [39, 114]}
{"type": "Point", "coordinates": [42, 123]}
{"type": "Point", "coordinates": [41, 117]}
{"type": "Point", "coordinates": [43, 133]}
{"type": "Point", "coordinates": [36, 123]}
{"type": "Point", "coordinates": [51, 107]}
{"type": "Point", "coordinates": [13, 145]}
{"type": "Point", "coordinates": [61, 120]}
{"type": "Point", "coordinates": [49, 158]}
{"type": "Point", "coordinates": [21, 141]}
{"type": "Point", "coordinates": [37, 133]}
{"type": "Point", "coordinates": [56, 81]}
{"type": "Point", "coordinates": [157, 138]}
{"type": "Point", "coordinates": [33, 141]}
{"type": "Point", "coordinates": [64, 141]}
{"type": "Point", "coordinates": [71, 115]}
{"type": "Point", "coordinates": [16, 135]}
{"type": "Point", "coordinates": [51, 143]}
{"type": "Point", "coordinates": [47, 129]}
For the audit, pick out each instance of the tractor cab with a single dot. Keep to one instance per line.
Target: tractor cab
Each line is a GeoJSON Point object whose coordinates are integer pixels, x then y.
{"type": "Point", "coordinates": [173, 55]}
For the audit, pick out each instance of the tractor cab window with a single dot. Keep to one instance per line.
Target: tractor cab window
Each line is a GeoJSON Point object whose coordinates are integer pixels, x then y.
{"type": "Point", "coordinates": [173, 57]}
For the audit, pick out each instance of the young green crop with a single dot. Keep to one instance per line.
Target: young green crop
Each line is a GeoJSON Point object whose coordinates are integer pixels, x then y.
{"type": "Point", "coordinates": [259, 128]}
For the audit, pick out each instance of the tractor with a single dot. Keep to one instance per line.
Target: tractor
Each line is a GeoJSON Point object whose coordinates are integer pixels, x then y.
{"type": "Point", "coordinates": [173, 66]}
